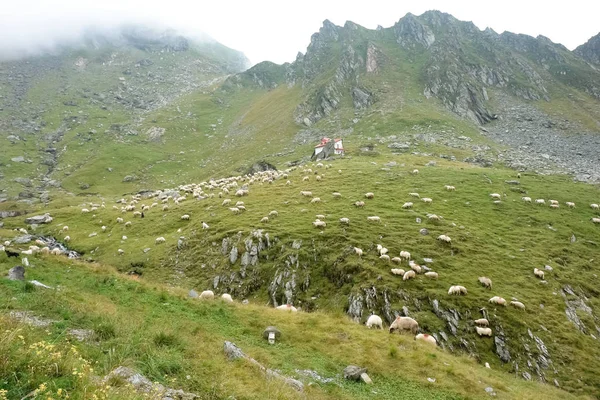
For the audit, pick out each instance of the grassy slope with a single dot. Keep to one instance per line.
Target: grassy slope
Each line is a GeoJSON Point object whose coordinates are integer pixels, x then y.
{"type": "Point", "coordinates": [168, 337]}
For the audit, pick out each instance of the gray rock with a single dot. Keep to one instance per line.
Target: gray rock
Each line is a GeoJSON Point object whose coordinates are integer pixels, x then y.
{"type": "Point", "coordinates": [512, 182]}
{"type": "Point", "coordinates": [272, 329]}
{"type": "Point", "coordinates": [398, 146]}
{"type": "Point", "coordinates": [365, 378]}
{"type": "Point", "coordinates": [193, 294]}
{"type": "Point", "coordinates": [23, 239]}
{"type": "Point", "coordinates": [418, 220]}
{"type": "Point", "coordinates": [431, 164]}
{"type": "Point", "coordinates": [129, 178]}
{"type": "Point", "coordinates": [490, 390]}
{"type": "Point", "coordinates": [81, 335]}
{"type": "Point", "coordinates": [501, 349]}
{"type": "Point", "coordinates": [353, 373]}
{"type": "Point", "coordinates": [18, 159]}
{"type": "Point", "coordinates": [424, 232]}
{"type": "Point", "coordinates": [24, 181]}
{"type": "Point", "coordinates": [16, 273]}
{"type": "Point", "coordinates": [39, 219]}
{"type": "Point", "coordinates": [28, 318]}
{"type": "Point", "coordinates": [40, 284]}
{"type": "Point", "coordinates": [232, 351]}
{"type": "Point", "coordinates": [573, 238]}
{"type": "Point", "coordinates": [233, 255]}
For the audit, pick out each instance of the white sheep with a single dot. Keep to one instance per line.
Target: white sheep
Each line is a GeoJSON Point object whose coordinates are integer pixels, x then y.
{"type": "Point", "coordinates": [336, 195]}
{"type": "Point", "coordinates": [457, 290]}
{"type": "Point", "coordinates": [539, 273]}
{"type": "Point", "coordinates": [431, 274]}
{"type": "Point", "coordinates": [554, 206]}
{"type": "Point", "coordinates": [103, 228]}
{"type": "Point", "coordinates": [185, 217]}
{"type": "Point", "coordinates": [415, 172]}
{"type": "Point", "coordinates": [319, 224]}
{"type": "Point", "coordinates": [226, 202]}
{"type": "Point", "coordinates": [306, 193]}
{"type": "Point", "coordinates": [517, 304]}
{"type": "Point", "coordinates": [374, 321]}
{"type": "Point", "coordinates": [554, 202]}
{"type": "Point", "coordinates": [67, 238]}
{"type": "Point", "coordinates": [405, 255]}
{"type": "Point", "coordinates": [287, 307]}
{"type": "Point", "coordinates": [305, 179]}
{"type": "Point", "coordinates": [227, 297]}
{"type": "Point", "coordinates": [315, 200]}
{"type": "Point", "coordinates": [165, 207]}
{"type": "Point", "coordinates": [482, 322]}
{"type": "Point", "coordinates": [288, 183]}
{"type": "Point", "coordinates": [433, 217]}
{"type": "Point", "coordinates": [397, 271]}
{"type": "Point", "coordinates": [127, 224]}
{"type": "Point", "coordinates": [408, 204]}
{"type": "Point", "coordinates": [374, 219]}
{"type": "Point", "coordinates": [273, 213]}
{"type": "Point", "coordinates": [358, 251]}
{"type": "Point", "coordinates": [318, 178]}
{"type": "Point", "coordinates": [359, 204]}
{"type": "Point", "coordinates": [396, 260]}
{"type": "Point", "coordinates": [27, 252]}
{"type": "Point", "coordinates": [119, 220]}
{"type": "Point", "coordinates": [239, 203]}
{"type": "Point", "coordinates": [369, 195]}
{"type": "Point", "coordinates": [385, 258]}
{"type": "Point", "coordinates": [427, 200]}
{"type": "Point", "coordinates": [483, 331]}
{"type": "Point", "coordinates": [234, 210]}
{"type": "Point", "coordinates": [444, 238]}
{"type": "Point", "coordinates": [409, 275]}
{"type": "Point", "coordinates": [207, 295]}
{"type": "Point", "coordinates": [570, 204]}
{"type": "Point", "coordinates": [120, 251]}
{"type": "Point", "coordinates": [540, 201]}
{"type": "Point", "coordinates": [413, 194]}
{"type": "Point", "coordinates": [495, 196]}
{"type": "Point", "coordinates": [345, 221]}
{"type": "Point", "coordinates": [382, 250]}
{"type": "Point", "coordinates": [160, 240]}
{"type": "Point", "coordinates": [486, 282]}
{"type": "Point", "coordinates": [264, 219]}
{"type": "Point", "coordinates": [497, 300]}
{"type": "Point", "coordinates": [595, 206]}
{"type": "Point", "coordinates": [526, 199]}
{"type": "Point", "coordinates": [85, 211]}
{"type": "Point", "coordinates": [320, 216]}
{"type": "Point", "coordinates": [56, 251]}
{"type": "Point", "coordinates": [426, 338]}
{"type": "Point", "coordinates": [137, 214]}
{"type": "Point", "coordinates": [450, 188]}
{"type": "Point", "coordinates": [204, 225]}
{"type": "Point", "coordinates": [415, 267]}
{"type": "Point", "coordinates": [65, 228]}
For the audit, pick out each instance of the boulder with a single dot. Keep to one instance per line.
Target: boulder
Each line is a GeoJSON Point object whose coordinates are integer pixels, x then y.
{"type": "Point", "coordinates": [39, 219]}
{"type": "Point", "coordinates": [353, 373]}
{"type": "Point", "coordinates": [16, 273]}
{"type": "Point", "coordinates": [23, 239]}
{"type": "Point", "coordinates": [232, 351]}
{"type": "Point", "coordinates": [193, 294]}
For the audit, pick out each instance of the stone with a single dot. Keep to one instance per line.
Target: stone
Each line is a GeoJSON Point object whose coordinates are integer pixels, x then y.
{"type": "Point", "coordinates": [365, 378]}
{"type": "Point", "coordinates": [548, 268]}
{"type": "Point", "coordinates": [398, 146]}
{"type": "Point", "coordinates": [490, 390]}
{"type": "Point", "coordinates": [16, 273]}
{"type": "Point", "coordinates": [39, 219]}
{"type": "Point", "coordinates": [418, 220]}
{"type": "Point", "coordinates": [353, 373]}
{"type": "Point", "coordinates": [24, 181]}
{"type": "Point", "coordinates": [129, 178]}
{"type": "Point", "coordinates": [193, 294]}
{"type": "Point", "coordinates": [512, 182]}
{"type": "Point", "coordinates": [40, 284]}
{"type": "Point", "coordinates": [233, 255]}
{"type": "Point", "coordinates": [18, 159]}
{"type": "Point", "coordinates": [81, 334]}
{"type": "Point", "coordinates": [424, 232]}
{"type": "Point", "coordinates": [232, 351]}
{"type": "Point", "coordinates": [25, 262]}
{"type": "Point", "coordinates": [23, 239]}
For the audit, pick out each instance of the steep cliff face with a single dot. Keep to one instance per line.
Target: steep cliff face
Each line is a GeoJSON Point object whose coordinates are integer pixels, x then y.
{"type": "Point", "coordinates": [590, 50]}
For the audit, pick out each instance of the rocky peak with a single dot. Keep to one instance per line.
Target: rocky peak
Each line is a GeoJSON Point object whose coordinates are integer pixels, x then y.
{"type": "Point", "coordinates": [411, 33]}
{"type": "Point", "coordinates": [590, 50]}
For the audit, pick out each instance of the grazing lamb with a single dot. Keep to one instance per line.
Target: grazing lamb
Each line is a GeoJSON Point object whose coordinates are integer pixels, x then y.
{"type": "Point", "coordinates": [319, 224]}
{"type": "Point", "coordinates": [431, 274]}
{"type": "Point", "coordinates": [415, 172]}
{"type": "Point", "coordinates": [359, 204]}
{"type": "Point", "coordinates": [539, 273]}
{"type": "Point", "coordinates": [305, 179]}
{"type": "Point", "coordinates": [345, 221]}
{"type": "Point", "coordinates": [450, 188]}
{"type": "Point", "coordinates": [207, 295]}
{"type": "Point", "coordinates": [595, 206]}
{"type": "Point", "coordinates": [554, 202]}
{"type": "Point", "coordinates": [554, 206]}
{"type": "Point", "coordinates": [486, 282]}
{"type": "Point", "coordinates": [127, 224]}
{"type": "Point", "coordinates": [226, 202]}
{"type": "Point", "coordinates": [408, 204]}
{"type": "Point", "coordinates": [374, 219]}
{"type": "Point", "coordinates": [287, 307]}
{"type": "Point", "coordinates": [402, 324]}
{"type": "Point", "coordinates": [397, 271]}
{"type": "Point", "coordinates": [204, 225]}
{"type": "Point", "coordinates": [336, 195]}
{"type": "Point", "coordinates": [264, 219]}
{"type": "Point", "coordinates": [483, 331]}
{"type": "Point", "coordinates": [65, 228]}
{"type": "Point", "coordinates": [160, 240]}
{"type": "Point", "coordinates": [385, 258]}
{"type": "Point", "coordinates": [358, 251]}
{"type": "Point", "coordinates": [526, 199]}
{"type": "Point", "coordinates": [517, 304]}
{"type": "Point", "coordinates": [165, 207]}
{"type": "Point", "coordinates": [67, 238]}
{"type": "Point", "coordinates": [56, 251]}
{"type": "Point", "coordinates": [85, 211]}
{"type": "Point", "coordinates": [413, 194]}
{"type": "Point", "coordinates": [596, 220]}
{"type": "Point", "coordinates": [319, 216]}
{"type": "Point", "coordinates": [433, 217]}
{"type": "Point", "coordinates": [482, 322]}
{"type": "Point", "coordinates": [444, 238]}
{"type": "Point", "coordinates": [497, 300]}
{"type": "Point", "coordinates": [396, 260]}
{"type": "Point", "coordinates": [306, 193]}
{"type": "Point", "coordinates": [315, 200]}
{"type": "Point", "coordinates": [382, 250]}
{"type": "Point", "coordinates": [318, 178]}
{"type": "Point", "coordinates": [227, 297]}
{"type": "Point", "coordinates": [121, 252]}
{"type": "Point", "coordinates": [185, 217]}
{"type": "Point", "coordinates": [369, 195]}
{"type": "Point", "coordinates": [415, 267]}
{"type": "Point", "coordinates": [137, 214]}
{"type": "Point", "coordinates": [409, 275]}
{"type": "Point", "coordinates": [427, 200]}
{"type": "Point", "coordinates": [27, 252]}
{"type": "Point", "coordinates": [540, 201]}
{"type": "Point", "coordinates": [103, 228]}
{"type": "Point", "coordinates": [273, 214]}
{"type": "Point", "coordinates": [234, 210]}
{"type": "Point", "coordinates": [374, 321]}
{"type": "Point", "coordinates": [119, 220]}
{"type": "Point", "coordinates": [457, 290]}
{"type": "Point", "coordinates": [426, 338]}
{"type": "Point", "coordinates": [495, 196]}
{"type": "Point", "coordinates": [405, 255]}
{"type": "Point", "coordinates": [570, 204]}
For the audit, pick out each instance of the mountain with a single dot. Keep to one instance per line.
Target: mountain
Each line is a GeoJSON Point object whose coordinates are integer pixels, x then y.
{"type": "Point", "coordinates": [590, 50]}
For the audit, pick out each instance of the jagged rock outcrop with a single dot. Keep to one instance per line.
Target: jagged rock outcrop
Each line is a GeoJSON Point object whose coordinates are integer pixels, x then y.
{"type": "Point", "coordinates": [590, 50]}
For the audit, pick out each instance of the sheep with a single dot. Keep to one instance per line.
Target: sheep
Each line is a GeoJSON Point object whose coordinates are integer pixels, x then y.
{"type": "Point", "coordinates": [320, 216]}
{"type": "Point", "coordinates": [374, 321]}
{"type": "Point", "coordinates": [85, 211]}
{"type": "Point", "coordinates": [288, 183]}
{"type": "Point", "coordinates": [540, 201]}
{"type": "Point", "coordinates": [498, 300]}
{"type": "Point", "coordinates": [444, 238]}
{"type": "Point", "coordinates": [160, 240]}
{"type": "Point", "coordinates": [396, 260]}
{"type": "Point", "coordinates": [554, 202]}
{"type": "Point", "coordinates": [165, 207]}
{"type": "Point", "coordinates": [226, 202]}
{"type": "Point", "coordinates": [121, 251]}
{"type": "Point", "coordinates": [273, 213]}
{"type": "Point", "coordinates": [450, 188]}
{"type": "Point", "coordinates": [319, 224]}
{"type": "Point", "coordinates": [427, 200]}
{"type": "Point", "coordinates": [359, 204]}
{"type": "Point", "coordinates": [397, 271]}
{"type": "Point", "coordinates": [119, 220]}
{"type": "Point", "coordinates": [405, 255]}
{"type": "Point", "coordinates": [404, 324]}
{"type": "Point", "coordinates": [382, 250]}
{"type": "Point", "coordinates": [287, 307]}
{"type": "Point", "coordinates": [482, 322]}
{"type": "Point", "coordinates": [526, 199]}
{"type": "Point", "coordinates": [517, 304]}
{"type": "Point", "coordinates": [264, 219]}
{"type": "Point", "coordinates": [227, 298]}
{"type": "Point", "coordinates": [239, 203]}
{"type": "Point", "coordinates": [241, 208]}
{"type": "Point", "coordinates": [483, 331]}
{"type": "Point", "coordinates": [345, 221]}
{"type": "Point", "coordinates": [27, 252]}
{"type": "Point", "coordinates": [426, 338]}
{"type": "Point", "coordinates": [45, 250]}
{"type": "Point", "coordinates": [336, 195]}
{"type": "Point", "coordinates": [409, 275]}
{"type": "Point", "coordinates": [486, 282]}
{"type": "Point", "coordinates": [65, 228]}
{"type": "Point", "coordinates": [570, 204]}
{"type": "Point", "coordinates": [185, 217]}
{"type": "Point", "coordinates": [207, 295]}
{"type": "Point", "coordinates": [431, 274]}
{"type": "Point", "coordinates": [433, 217]}
{"type": "Point", "coordinates": [413, 194]}
{"type": "Point", "coordinates": [495, 196]}
{"type": "Point", "coordinates": [103, 228]}
{"type": "Point", "coordinates": [305, 179]}
{"type": "Point", "coordinates": [385, 257]}
{"type": "Point", "coordinates": [539, 273]}
{"type": "Point", "coordinates": [374, 219]}
{"type": "Point", "coordinates": [457, 290]}
{"type": "Point", "coordinates": [369, 195]}
{"type": "Point", "coordinates": [234, 210]}
{"type": "Point", "coordinates": [415, 267]}
{"type": "Point", "coordinates": [137, 214]}
{"type": "Point", "coordinates": [127, 224]}
{"type": "Point", "coordinates": [596, 220]}
{"type": "Point", "coordinates": [67, 238]}
{"type": "Point", "coordinates": [306, 193]}
{"type": "Point", "coordinates": [56, 251]}
{"type": "Point", "coordinates": [595, 206]}
{"type": "Point", "coordinates": [554, 206]}
{"type": "Point", "coordinates": [318, 178]}
{"type": "Point", "coordinates": [408, 204]}
{"type": "Point", "coordinates": [23, 231]}
{"type": "Point", "coordinates": [415, 172]}
{"type": "Point", "coordinates": [123, 237]}
{"type": "Point", "coordinates": [315, 200]}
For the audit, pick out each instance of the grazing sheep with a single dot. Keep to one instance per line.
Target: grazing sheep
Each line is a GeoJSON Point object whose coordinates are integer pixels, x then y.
{"type": "Point", "coordinates": [433, 217]}
{"type": "Point", "coordinates": [306, 193]}
{"type": "Point", "coordinates": [495, 196]}
{"type": "Point", "coordinates": [405, 255]}
{"type": "Point", "coordinates": [137, 214]}
{"type": "Point", "coordinates": [264, 219]}
{"type": "Point", "coordinates": [595, 206]}
{"type": "Point", "coordinates": [319, 224]}
{"type": "Point", "coordinates": [119, 220]}
{"type": "Point", "coordinates": [127, 224]}
{"type": "Point", "coordinates": [318, 178]}
{"type": "Point", "coordinates": [369, 195]}
{"type": "Point", "coordinates": [204, 225]}
{"type": "Point", "coordinates": [336, 195]}
{"type": "Point", "coordinates": [287, 307]}
{"type": "Point", "coordinates": [345, 221]}
{"type": "Point", "coordinates": [444, 238]}
{"type": "Point", "coordinates": [408, 204]}
{"type": "Point", "coordinates": [402, 324]}
{"type": "Point", "coordinates": [426, 338]}
{"type": "Point", "coordinates": [45, 250]}
{"type": "Point", "coordinates": [241, 208]}
{"type": "Point", "coordinates": [85, 211]}
{"type": "Point", "coordinates": [540, 201]}
{"type": "Point", "coordinates": [409, 275]}
{"type": "Point", "coordinates": [385, 257]}
{"type": "Point", "coordinates": [67, 238]}
{"type": "Point", "coordinates": [570, 204]}
{"type": "Point", "coordinates": [415, 267]}
{"type": "Point", "coordinates": [517, 304]}
{"type": "Point", "coordinates": [273, 214]}
{"type": "Point", "coordinates": [413, 194]}
{"type": "Point", "coordinates": [450, 188]}
{"type": "Point", "coordinates": [226, 202]}
{"type": "Point", "coordinates": [374, 321]}
{"type": "Point", "coordinates": [239, 203]}
{"type": "Point", "coordinates": [498, 300]}
{"type": "Point", "coordinates": [427, 200]}
{"type": "Point", "coordinates": [457, 290]}
{"type": "Point", "coordinates": [227, 297]}
{"type": "Point", "coordinates": [319, 216]}
{"type": "Point", "coordinates": [358, 251]}
{"type": "Point", "coordinates": [121, 252]}
{"type": "Point", "coordinates": [359, 204]}
{"type": "Point", "coordinates": [185, 217]}
{"type": "Point", "coordinates": [539, 273]}
{"type": "Point", "coordinates": [482, 322]}
{"type": "Point", "coordinates": [315, 200]}
{"type": "Point", "coordinates": [165, 207]}
{"type": "Point", "coordinates": [207, 295]}
{"type": "Point", "coordinates": [374, 219]}
{"type": "Point", "coordinates": [554, 202]}
{"type": "Point", "coordinates": [431, 274]}
{"type": "Point", "coordinates": [486, 282]}
{"type": "Point", "coordinates": [56, 251]}
{"type": "Point", "coordinates": [103, 228]}
{"type": "Point", "coordinates": [27, 252]}
{"type": "Point", "coordinates": [397, 260]}
{"type": "Point", "coordinates": [305, 179]}
{"type": "Point", "coordinates": [382, 250]}
{"type": "Point", "coordinates": [596, 220]}
{"type": "Point", "coordinates": [234, 210]}
{"type": "Point", "coordinates": [65, 228]}
{"type": "Point", "coordinates": [288, 183]}
{"type": "Point", "coordinates": [526, 199]}
{"type": "Point", "coordinates": [483, 331]}
{"type": "Point", "coordinates": [554, 206]}
{"type": "Point", "coordinates": [415, 172]}
{"type": "Point", "coordinates": [398, 271]}
{"type": "Point", "coordinates": [160, 240]}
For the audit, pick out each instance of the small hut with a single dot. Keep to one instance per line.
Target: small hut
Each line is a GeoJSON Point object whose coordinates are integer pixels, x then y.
{"type": "Point", "coordinates": [327, 148]}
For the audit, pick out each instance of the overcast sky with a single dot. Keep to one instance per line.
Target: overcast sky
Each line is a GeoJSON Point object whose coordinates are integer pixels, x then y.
{"type": "Point", "coordinates": [277, 30]}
